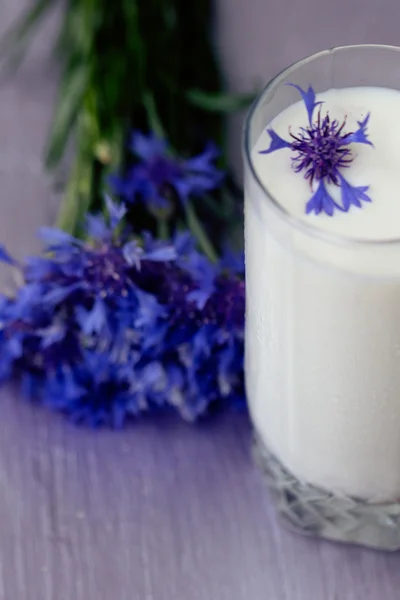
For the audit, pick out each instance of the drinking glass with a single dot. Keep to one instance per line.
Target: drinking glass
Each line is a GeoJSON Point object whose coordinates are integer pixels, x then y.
{"type": "Point", "coordinates": [322, 341]}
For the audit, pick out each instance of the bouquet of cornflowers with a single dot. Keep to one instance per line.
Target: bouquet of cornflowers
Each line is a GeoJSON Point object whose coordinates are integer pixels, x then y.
{"type": "Point", "coordinates": [121, 323]}
{"type": "Point", "coordinates": [137, 302]}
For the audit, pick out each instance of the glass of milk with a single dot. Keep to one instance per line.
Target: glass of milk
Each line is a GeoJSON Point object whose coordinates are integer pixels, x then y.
{"type": "Point", "coordinates": [323, 303]}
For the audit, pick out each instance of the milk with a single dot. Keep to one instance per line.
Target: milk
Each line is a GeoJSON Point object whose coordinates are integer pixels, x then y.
{"type": "Point", "coordinates": [323, 308]}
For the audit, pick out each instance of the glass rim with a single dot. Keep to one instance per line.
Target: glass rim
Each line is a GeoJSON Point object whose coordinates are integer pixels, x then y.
{"type": "Point", "coordinates": [294, 221]}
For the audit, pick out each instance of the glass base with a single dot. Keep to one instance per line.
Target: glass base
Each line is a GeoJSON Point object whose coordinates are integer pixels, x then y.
{"type": "Point", "coordinates": [310, 510]}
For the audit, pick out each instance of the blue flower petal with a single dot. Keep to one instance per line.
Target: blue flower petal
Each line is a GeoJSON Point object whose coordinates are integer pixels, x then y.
{"type": "Point", "coordinates": [165, 254]}
{"type": "Point", "coordinates": [27, 296]}
{"type": "Point", "coordinates": [197, 183]}
{"type": "Point", "coordinates": [201, 174]}
{"type": "Point", "coordinates": [133, 253]}
{"type": "Point", "coordinates": [55, 237]}
{"type": "Point", "coordinates": [93, 321]}
{"type": "Point", "coordinates": [183, 189]}
{"type": "Point", "coordinates": [15, 346]}
{"type": "Point", "coordinates": [59, 294]}
{"type": "Point", "coordinates": [233, 261]}
{"type": "Point", "coordinates": [96, 227]}
{"type": "Point", "coordinates": [200, 297]}
{"type": "Point", "coordinates": [277, 143]}
{"type": "Point", "coordinates": [309, 100]}
{"type": "Point", "coordinates": [201, 162]}
{"type": "Point", "coordinates": [360, 136]}
{"type": "Point", "coordinates": [202, 342]}
{"type": "Point", "coordinates": [184, 242]}
{"type": "Point", "coordinates": [6, 257]}
{"type": "Point", "coordinates": [204, 273]}
{"type": "Point", "coordinates": [353, 195]}
{"type": "Point", "coordinates": [37, 267]}
{"type": "Point", "coordinates": [52, 334]}
{"type": "Point", "coordinates": [115, 211]}
{"type": "Point", "coordinates": [71, 387]}
{"type": "Point", "coordinates": [149, 310]}
{"type": "Point", "coordinates": [158, 250]}
{"type": "Point", "coordinates": [321, 201]}
{"type": "Point", "coordinates": [124, 187]}
{"type": "Point", "coordinates": [152, 375]}
{"type": "Point", "coordinates": [147, 147]}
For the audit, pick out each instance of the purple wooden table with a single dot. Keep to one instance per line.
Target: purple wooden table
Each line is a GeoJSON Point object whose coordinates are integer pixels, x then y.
{"type": "Point", "coordinates": [163, 511]}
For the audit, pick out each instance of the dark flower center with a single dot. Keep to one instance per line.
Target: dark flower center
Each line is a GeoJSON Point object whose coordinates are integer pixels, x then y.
{"type": "Point", "coordinates": [227, 304]}
{"type": "Point", "coordinates": [106, 272]}
{"type": "Point", "coordinates": [171, 285]}
{"type": "Point", "coordinates": [163, 171]}
{"type": "Point", "coordinates": [321, 150]}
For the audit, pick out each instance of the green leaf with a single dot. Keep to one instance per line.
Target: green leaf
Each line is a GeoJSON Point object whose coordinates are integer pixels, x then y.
{"type": "Point", "coordinates": [217, 208]}
{"type": "Point", "coordinates": [76, 201]}
{"type": "Point", "coordinates": [219, 102]}
{"type": "Point", "coordinates": [136, 45]}
{"type": "Point", "coordinates": [152, 115]}
{"type": "Point", "coordinates": [76, 37]}
{"type": "Point", "coordinates": [69, 105]}
{"type": "Point", "coordinates": [197, 228]}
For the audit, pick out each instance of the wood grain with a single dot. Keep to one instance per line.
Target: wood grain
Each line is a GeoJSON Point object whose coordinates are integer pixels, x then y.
{"type": "Point", "coordinates": [163, 511]}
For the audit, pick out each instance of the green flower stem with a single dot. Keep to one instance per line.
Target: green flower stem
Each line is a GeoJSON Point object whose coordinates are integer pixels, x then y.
{"type": "Point", "coordinates": [199, 232]}
{"type": "Point", "coordinates": [79, 193]}
{"type": "Point", "coordinates": [222, 212]}
{"type": "Point", "coordinates": [162, 228]}
{"type": "Point", "coordinates": [77, 198]}
{"type": "Point", "coordinates": [152, 115]}
{"type": "Point", "coordinates": [84, 190]}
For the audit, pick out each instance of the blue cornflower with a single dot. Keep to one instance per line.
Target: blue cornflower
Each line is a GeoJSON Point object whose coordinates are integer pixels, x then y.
{"type": "Point", "coordinates": [204, 365]}
{"type": "Point", "coordinates": [157, 174]}
{"type": "Point", "coordinates": [94, 391]}
{"type": "Point", "coordinates": [321, 152]}
{"type": "Point", "coordinates": [232, 261]}
{"type": "Point", "coordinates": [203, 273]}
{"type": "Point", "coordinates": [97, 269]}
{"type": "Point", "coordinates": [109, 328]}
{"type": "Point", "coordinates": [89, 283]}
{"type": "Point", "coordinates": [202, 345]}
{"type": "Point", "coordinates": [105, 389]}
